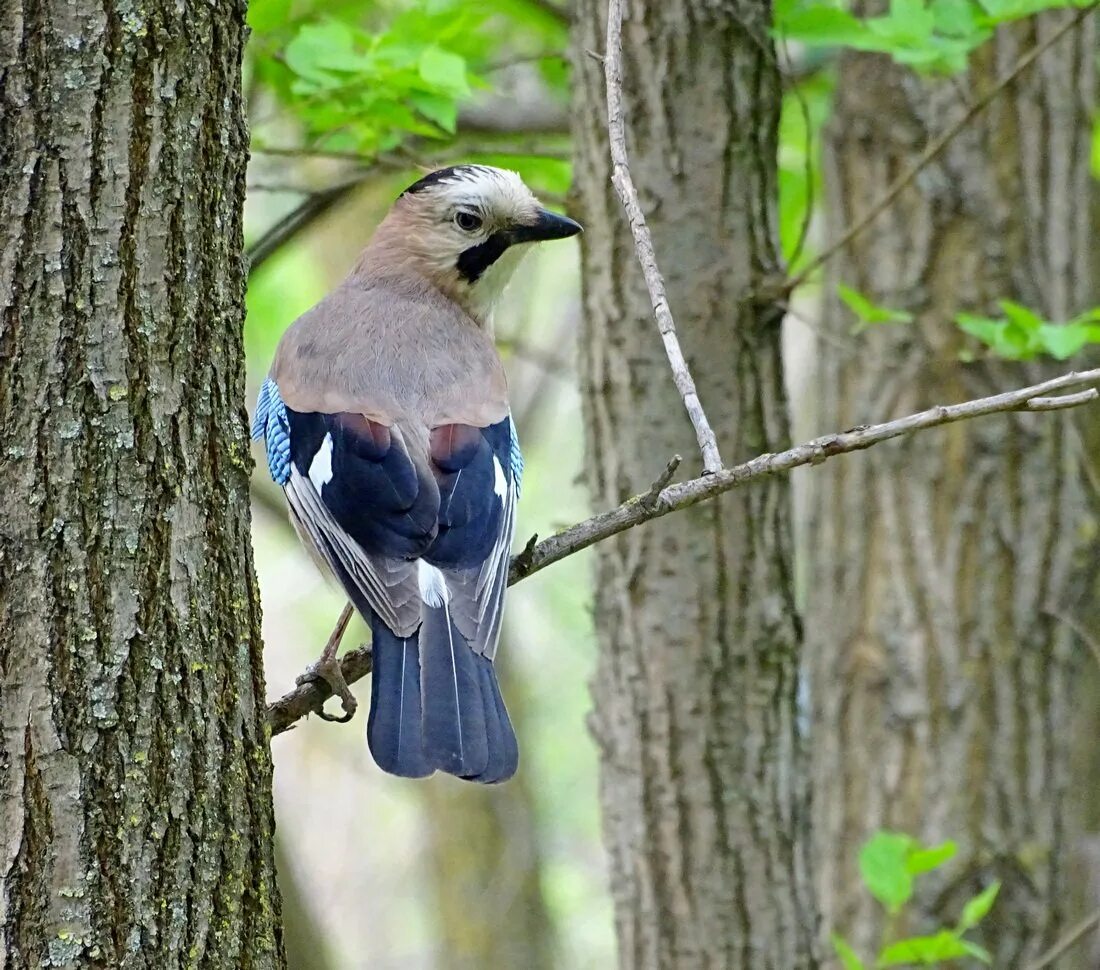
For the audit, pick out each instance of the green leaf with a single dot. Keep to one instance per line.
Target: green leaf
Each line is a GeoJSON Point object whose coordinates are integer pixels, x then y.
{"type": "Point", "coordinates": [818, 24]}
{"type": "Point", "coordinates": [978, 908]}
{"type": "Point", "coordinates": [1064, 340]}
{"type": "Point", "coordinates": [1027, 320]}
{"type": "Point", "coordinates": [436, 107]}
{"type": "Point", "coordinates": [925, 860]}
{"type": "Point", "coordinates": [926, 950]}
{"type": "Point", "coordinates": [444, 70]}
{"type": "Point", "coordinates": [318, 50]}
{"type": "Point", "coordinates": [997, 335]}
{"type": "Point", "coordinates": [883, 866]}
{"type": "Point", "coordinates": [867, 311]}
{"type": "Point", "coordinates": [847, 955]}
{"type": "Point", "coordinates": [955, 18]}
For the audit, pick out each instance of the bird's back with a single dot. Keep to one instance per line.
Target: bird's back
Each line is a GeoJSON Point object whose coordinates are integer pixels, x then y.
{"type": "Point", "coordinates": [396, 350]}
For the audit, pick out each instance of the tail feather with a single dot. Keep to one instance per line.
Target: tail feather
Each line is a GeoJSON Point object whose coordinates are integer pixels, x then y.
{"type": "Point", "coordinates": [455, 734]}
{"type": "Point", "coordinates": [435, 701]}
{"type": "Point", "coordinates": [502, 744]}
{"type": "Point", "coordinates": [395, 729]}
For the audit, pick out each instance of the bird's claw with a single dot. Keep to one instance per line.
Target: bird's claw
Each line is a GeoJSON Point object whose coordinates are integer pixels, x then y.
{"type": "Point", "coordinates": [329, 671]}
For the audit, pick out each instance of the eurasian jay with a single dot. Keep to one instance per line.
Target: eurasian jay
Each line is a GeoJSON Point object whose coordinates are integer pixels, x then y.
{"type": "Point", "coordinates": [386, 422]}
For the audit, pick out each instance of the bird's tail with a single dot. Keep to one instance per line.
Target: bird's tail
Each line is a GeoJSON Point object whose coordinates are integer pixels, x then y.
{"type": "Point", "coordinates": [436, 704]}
{"type": "Point", "coordinates": [394, 729]}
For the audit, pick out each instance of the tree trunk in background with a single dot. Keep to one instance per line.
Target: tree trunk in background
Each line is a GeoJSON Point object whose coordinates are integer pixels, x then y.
{"type": "Point", "coordinates": [487, 866]}
{"type": "Point", "coordinates": [135, 797]}
{"type": "Point", "coordinates": [943, 679]}
{"type": "Point", "coordinates": [696, 692]}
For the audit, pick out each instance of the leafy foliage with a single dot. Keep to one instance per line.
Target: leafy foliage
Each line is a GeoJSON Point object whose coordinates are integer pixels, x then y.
{"type": "Point", "coordinates": [889, 864]}
{"type": "Point", "coordinates": [366, 78]}
{"type": "Point", "coordinates": [1021, 334]}
{"type": "Point", "coordinates": [935, 36]}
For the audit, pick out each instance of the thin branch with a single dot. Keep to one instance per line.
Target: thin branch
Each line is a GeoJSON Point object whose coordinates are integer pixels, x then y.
{"type": "Point", "coordinates": [301, 216]}
{"type": "Point", "coordinates": [643, 242]}
{"type": "Point", "coordinates": [671, 498]}
{"type": "Point", "coordinates": [1063, 401]}
{"type": "Point", "coordinates": [936, 147]}
{"type": "Point", "coordinates": [1070, 940]}
{"type": "Point", "coordinates": [1078, 628]}
{"type": "Point", "coordinates": [309, 697]}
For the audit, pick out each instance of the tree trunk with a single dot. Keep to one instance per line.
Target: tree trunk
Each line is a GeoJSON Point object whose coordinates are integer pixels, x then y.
{"type": "Point", "coordinates": [696, 692]}
{"type": "Point", "coordinates": [135, 797]}
{"type": "Point", "coordinates": [487, 866]}
{"type": "Point", "coordinates": [942, 566]}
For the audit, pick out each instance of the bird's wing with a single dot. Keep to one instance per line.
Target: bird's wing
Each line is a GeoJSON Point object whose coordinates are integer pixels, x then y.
{"type": "Point", "coordinates": [359, 499]}
{"type": "Point", "coordinates": [478, 471]}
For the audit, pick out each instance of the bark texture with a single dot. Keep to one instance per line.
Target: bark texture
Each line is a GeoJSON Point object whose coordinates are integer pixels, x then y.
{"type": "Point", "coordinates": [135, 780]}
{"type": "Point", "coordinates": [696, 692]}
{"type": "Point", "coordinates": [942, 566]}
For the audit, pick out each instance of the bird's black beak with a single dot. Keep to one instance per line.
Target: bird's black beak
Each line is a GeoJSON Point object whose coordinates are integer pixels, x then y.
{"type": "Point", "coordinates": [548, 225]}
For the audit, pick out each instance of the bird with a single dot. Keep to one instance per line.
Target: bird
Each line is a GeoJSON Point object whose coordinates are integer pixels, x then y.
{"type": "Point", "coordinates": [386, 421]}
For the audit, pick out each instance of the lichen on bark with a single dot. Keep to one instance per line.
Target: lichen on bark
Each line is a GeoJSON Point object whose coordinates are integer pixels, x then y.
{"type": "Point", "coordinates": [135, 798]}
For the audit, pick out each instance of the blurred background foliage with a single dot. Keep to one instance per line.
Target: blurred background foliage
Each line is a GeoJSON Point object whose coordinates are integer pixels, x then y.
{"type": "Point", "coordinates": [349, 101]}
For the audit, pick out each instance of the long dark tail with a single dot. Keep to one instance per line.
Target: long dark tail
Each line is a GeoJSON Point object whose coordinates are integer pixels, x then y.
{"type": "Point", "coordinates": [436, 704]}
{"type": "Point", "coordinates": [394, 729]}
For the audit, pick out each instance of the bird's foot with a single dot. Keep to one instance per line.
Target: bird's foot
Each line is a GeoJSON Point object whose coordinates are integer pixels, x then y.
{"type": "Point", "coordinates": [327, 669]}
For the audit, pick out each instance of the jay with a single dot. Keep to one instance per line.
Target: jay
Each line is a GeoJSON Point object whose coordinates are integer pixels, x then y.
{"type": "Point", "coordinates": [386, 422]}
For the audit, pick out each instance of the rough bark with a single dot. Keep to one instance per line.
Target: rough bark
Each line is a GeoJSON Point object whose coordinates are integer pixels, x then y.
{"type": "Point", "coordinates": [135, 793]}
{"type": "Point", "coordinates": [943, 679]}
{"type": "Point", "coordinates": [697, 685]}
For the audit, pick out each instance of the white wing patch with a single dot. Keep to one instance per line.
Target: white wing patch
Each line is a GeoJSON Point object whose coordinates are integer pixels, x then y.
{"type": "Point", "coordinates": [500, 483]}
{"type": "Point", "coordinates": [433, 585]}
{"type": "Point", "coordinates": [320, 469]}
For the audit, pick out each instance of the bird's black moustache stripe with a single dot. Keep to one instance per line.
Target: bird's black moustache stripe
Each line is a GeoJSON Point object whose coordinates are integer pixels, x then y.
{"type": "Point", "coordinates": [473, 262]}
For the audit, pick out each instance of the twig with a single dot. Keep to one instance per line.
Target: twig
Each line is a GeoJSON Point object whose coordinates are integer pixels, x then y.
{"type": "Point", "coordinates": [311, 209]}
{"type": "Point", "coordinates": [1078, 628]}
{"type": "Point", "coordinates": [670, 498]}
{"type": "Point", "coordinates": [1064, 945]}
{"type": "Point", "coordinates": [661, 482]}
{"type": "Point", "coordinates": [936, 147]}
{"type": "Point", "coordinates": [1063, 401]}
{"type": "Point", "coordinates": [643, 242]}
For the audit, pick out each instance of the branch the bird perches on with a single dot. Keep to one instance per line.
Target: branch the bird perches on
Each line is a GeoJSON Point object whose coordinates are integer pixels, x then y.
{"type": "Point", "coordinates": [664, 498]}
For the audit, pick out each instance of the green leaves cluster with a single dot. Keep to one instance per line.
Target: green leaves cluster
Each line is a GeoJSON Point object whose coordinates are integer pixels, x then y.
{"type": "Point", "coordinates": [366, 90]}
{"type": "Point", "coordinates": [936, 36]}
{"type": "Point", "coordinates": [1021, 334]}
{"type": "Point", "coordinates": [366, 77]}
{"type": "Point", "coordinates": [889, 864]}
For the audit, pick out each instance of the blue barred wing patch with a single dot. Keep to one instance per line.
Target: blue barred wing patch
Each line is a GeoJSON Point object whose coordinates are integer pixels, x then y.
{"type": "Point", "coordinates": [271, 424]}
{"type": "Point", "coordinates": [515, 456]}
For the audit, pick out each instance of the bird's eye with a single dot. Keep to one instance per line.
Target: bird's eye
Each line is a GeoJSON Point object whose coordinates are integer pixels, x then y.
{"type": "Point", "coordinates": [467, 221]}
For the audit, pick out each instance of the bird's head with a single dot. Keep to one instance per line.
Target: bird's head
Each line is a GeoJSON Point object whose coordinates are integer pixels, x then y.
{"type": "Point", "coordinates": [465, 228]}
